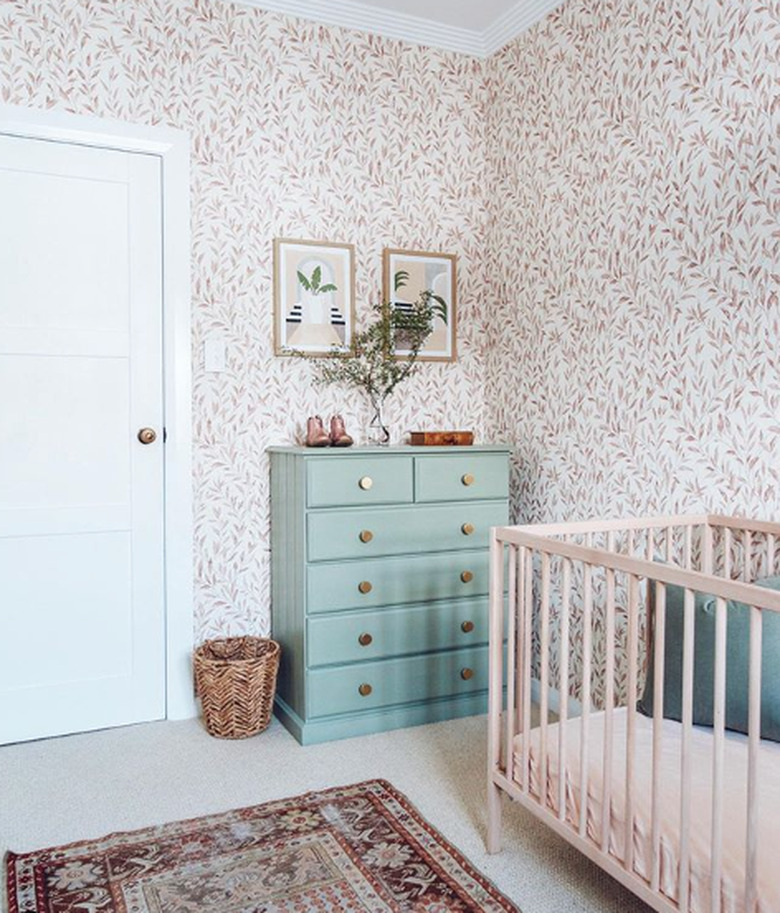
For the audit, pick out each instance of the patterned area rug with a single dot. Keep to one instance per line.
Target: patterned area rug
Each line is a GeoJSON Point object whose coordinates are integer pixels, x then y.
{"type": "Point", "coordinates": [362, 847]}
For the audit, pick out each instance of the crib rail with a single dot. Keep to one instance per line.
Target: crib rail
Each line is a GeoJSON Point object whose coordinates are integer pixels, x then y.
{"type": "Point", "coordinates": [548, 585]}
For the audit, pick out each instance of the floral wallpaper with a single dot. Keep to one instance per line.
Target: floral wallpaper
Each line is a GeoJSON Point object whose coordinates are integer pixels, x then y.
{"type": "Point", "coordinates": [297, 131]}
{"type": "Point", "coordinates": [634, 249]}
{"type": "Point", "coordinates": [635, 255]}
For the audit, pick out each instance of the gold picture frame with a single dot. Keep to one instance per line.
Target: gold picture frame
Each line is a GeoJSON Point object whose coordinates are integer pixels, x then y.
{"type": "Point", "coordinates": [424, 271]}
{"type": "Point", "coordinates": [314, 297]}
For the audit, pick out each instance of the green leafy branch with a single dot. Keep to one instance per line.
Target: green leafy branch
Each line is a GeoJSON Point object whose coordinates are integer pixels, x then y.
{"type": "Point", "coordinates": [371, 364]}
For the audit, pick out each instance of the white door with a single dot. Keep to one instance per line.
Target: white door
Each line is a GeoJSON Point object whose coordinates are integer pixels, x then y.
{"type": "Point", "coordinates": [82, 615]}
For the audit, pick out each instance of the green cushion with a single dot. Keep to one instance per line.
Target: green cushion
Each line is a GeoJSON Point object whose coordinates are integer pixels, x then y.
{"type": "Point", "coordinates": [737, 663]}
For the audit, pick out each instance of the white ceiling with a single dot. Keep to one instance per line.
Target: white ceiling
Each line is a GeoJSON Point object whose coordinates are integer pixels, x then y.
{"type": "Point", "coordinates": [478, 27]}
{"type": "Point", "coordinates": [476, 15]}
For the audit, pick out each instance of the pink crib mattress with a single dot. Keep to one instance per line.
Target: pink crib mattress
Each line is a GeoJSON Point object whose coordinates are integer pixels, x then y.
{"type": "Point", "coordinates": [734, 804]}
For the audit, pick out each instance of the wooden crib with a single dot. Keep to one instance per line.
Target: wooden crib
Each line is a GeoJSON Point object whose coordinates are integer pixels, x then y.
{"type": "Point", "coordinates": [686, 816]}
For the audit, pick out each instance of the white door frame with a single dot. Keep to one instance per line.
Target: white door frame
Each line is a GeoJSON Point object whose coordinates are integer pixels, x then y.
{"type": "Point", "coordinates": [172, 147]}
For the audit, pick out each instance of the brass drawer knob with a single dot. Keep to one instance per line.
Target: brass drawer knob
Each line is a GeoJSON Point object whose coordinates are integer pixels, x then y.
{"type": "Point", "coordinates": [365, 586]}
{"type": "Point", "coordinates": [467, 576]}
{"type": "Point", "coordinates": [467, 529]}
{"type": "Point", "coordinates": [467, 627]}
{"type": "Point", "coordinates": [365, 689]}
{"type": "Point", "coordinates": [365, 640]}
{"type": "Point", "coordinates": [366, 483]}
{"type": "Point", "coordinates": [366, 535]}
{"type": "Point", "coordinates": [466, 674]}
{"type": "Point", "coordinates": [467, 479]}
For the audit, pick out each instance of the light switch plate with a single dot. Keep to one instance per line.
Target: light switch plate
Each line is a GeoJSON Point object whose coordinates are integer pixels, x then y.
{"type": "Point", "coordinates": [214, 354]}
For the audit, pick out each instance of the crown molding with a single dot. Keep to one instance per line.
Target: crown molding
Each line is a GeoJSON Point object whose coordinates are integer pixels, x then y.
{"type": "Point", "coordinates": [514, 22]}
{"type": "Point", "coordinates": [349, 14]}
{"type": "Point", "coordinates": [414, 29]}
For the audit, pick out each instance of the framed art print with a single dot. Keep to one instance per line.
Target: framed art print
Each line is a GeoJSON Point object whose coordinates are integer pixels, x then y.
{"type": "Point", "coordinates": [408, 273]}
{"type": "Point", "coordinates": [314, 297]}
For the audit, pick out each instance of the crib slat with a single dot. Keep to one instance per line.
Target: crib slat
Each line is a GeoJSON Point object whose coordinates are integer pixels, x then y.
{"type": "Point", "coordinates": [727, 553]}
{"type": "Point", "coordinates": [587, 633]}
{"type": "Point", "coordinates": [609, 705]}
{"type": "Point", "coordinates": [519, 635]}
{"type": "Point", "coordinates": [564, 686]}
{"type": "Point", "coordinates": [511, 659]}
{"type": "Point", "coordinates": [544, 676]}
{"type": "Point", "coordinates": [706, 554]}
{"type": "Point", "coordinates": [747, 557]}
{"type": "Point", "coordinates": [670, 543]}
{"type": "Point", "coordinates": [718, 724]}
{"type": "Point", "coordinates": [495, 689]}
{"type": "Point", "coordinates": [527, 635]}
{"type": "Point", "coordinates": [687, 731]}
{"type": "Point", "coordinates": [632, 661]}
{"type": "Point", "coordinates": [754, 735]}
{"type": "Point", "coordinates": [688, 548]}
{"type": "Point", "coordinates": [770, 555]}
{"type": "Point", "coordinates": [659, 640]}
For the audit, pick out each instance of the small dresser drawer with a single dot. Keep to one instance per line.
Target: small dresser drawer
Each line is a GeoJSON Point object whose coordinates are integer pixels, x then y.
{"type": "Point", "coordinates": [364, 686]}
{"type": "Point", "coordinates": [394, 581]}
{"type": "Point", "coordinates": [468, 476]}
{"type": "Point", "coordinates": [396, 632]}
{"type": "Point", "coordinates": [347, 481]}
{"type": "Point", "coordinates": [357, 533]}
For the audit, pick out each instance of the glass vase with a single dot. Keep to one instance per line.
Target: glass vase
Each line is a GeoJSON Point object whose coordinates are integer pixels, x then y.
{"type": "Point", "coordinates": [378, 432]}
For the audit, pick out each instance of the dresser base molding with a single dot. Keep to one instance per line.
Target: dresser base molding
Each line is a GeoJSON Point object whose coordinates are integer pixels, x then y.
{"type": "Point", "coordinates": [345, 726]}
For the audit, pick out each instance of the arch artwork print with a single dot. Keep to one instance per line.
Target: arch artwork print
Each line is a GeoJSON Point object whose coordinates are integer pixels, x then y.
{"type": "Point", "coordinates": [314, 297]}
{"type": "Point", "coordinates": [406, 275]}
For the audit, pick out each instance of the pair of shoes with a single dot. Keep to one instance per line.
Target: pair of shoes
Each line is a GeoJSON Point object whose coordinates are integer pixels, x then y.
{"type": "Point", "coordinates": [317, 436]}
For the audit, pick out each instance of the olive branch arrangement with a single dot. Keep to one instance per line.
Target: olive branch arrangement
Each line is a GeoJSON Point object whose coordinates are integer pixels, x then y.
{"type": "Point", "coordinates": [371, 365]}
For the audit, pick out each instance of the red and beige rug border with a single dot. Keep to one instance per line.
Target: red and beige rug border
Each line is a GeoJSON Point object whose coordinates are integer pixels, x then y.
{"type": "Point", "coordinates": [188, 824]}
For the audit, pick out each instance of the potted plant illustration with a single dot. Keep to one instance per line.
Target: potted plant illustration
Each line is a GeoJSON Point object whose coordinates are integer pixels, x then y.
{"type": "Point", "coordinates": [313, 288]}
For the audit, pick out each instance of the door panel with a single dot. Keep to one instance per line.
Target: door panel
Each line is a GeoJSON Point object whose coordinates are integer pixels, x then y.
{"type": "Point", "coordinates": [81, 499]}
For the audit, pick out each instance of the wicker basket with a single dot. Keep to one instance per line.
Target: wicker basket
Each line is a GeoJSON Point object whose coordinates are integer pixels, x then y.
{"type": "Point", "coordinates": [235, 679]}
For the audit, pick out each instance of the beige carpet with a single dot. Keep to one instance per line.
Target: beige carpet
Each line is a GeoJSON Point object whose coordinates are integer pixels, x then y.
{"type": "Point", "coordinates": [85, 786]}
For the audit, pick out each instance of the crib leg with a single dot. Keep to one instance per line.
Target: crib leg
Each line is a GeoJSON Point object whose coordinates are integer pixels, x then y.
{"type": "Point", "coordinates": [494, 818]}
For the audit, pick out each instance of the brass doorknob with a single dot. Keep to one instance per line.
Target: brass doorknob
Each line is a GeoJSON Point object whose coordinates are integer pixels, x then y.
{"type": "Point", "coordinates": [366, 482]}
{"type": "Point", "coordinates": [467, 627]}
{"type": "Point", "coordinates": [147, 435]}
{"type": "Point", "coordinates": [366, 535]}
{"type": "Point", "coordinates": [365, 586]}
{"type": "Point", "coordinates": [467, 529]}
{"type": "Point", "coordinates": [467, 479]}
{"type": "Point", "coordinates": [467, 576]}
{"type": "Point", "coordinates": [365, 689]}
{"type": "Point", "coordinates": [466, 674]}
{"type": "Point", "coordinates": [365, 640]}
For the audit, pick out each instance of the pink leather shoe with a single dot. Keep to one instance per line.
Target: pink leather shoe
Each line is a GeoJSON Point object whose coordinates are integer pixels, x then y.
{"type": "Point", "coordinates": [316, 435]}
{"type": "Point", "coordinates": [338, 433]}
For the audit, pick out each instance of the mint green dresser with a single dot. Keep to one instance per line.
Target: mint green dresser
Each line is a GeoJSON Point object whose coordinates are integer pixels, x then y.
{"type": "Point", "coordinates": [380, 582]}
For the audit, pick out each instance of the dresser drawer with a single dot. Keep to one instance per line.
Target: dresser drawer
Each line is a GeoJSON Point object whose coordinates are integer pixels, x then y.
{"type": "Point", "coordinates": [401, 530]}
{"type": "Point", "coordinates": [396, 632]}
{"type": "Point", "coordinates": [347, 481]}
{"type": "Point", "coordinates": [468, 476]}
{"type": "Point", "coordinates": [365, 686]}
{"type": "Point", "coordinates": [393, 581]}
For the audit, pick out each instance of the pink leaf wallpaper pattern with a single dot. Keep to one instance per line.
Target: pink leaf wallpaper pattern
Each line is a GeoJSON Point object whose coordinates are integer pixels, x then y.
{"type": "Point", "coordinates": [297, 131]}
{"type": "Point", "coordinates": [609, 180]}
{"type": "Point", "coordinates": [635, 256]}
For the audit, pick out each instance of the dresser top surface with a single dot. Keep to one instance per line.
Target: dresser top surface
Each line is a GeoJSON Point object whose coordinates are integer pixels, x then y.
{"type": "Point", "coordinates": [402, 450]}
